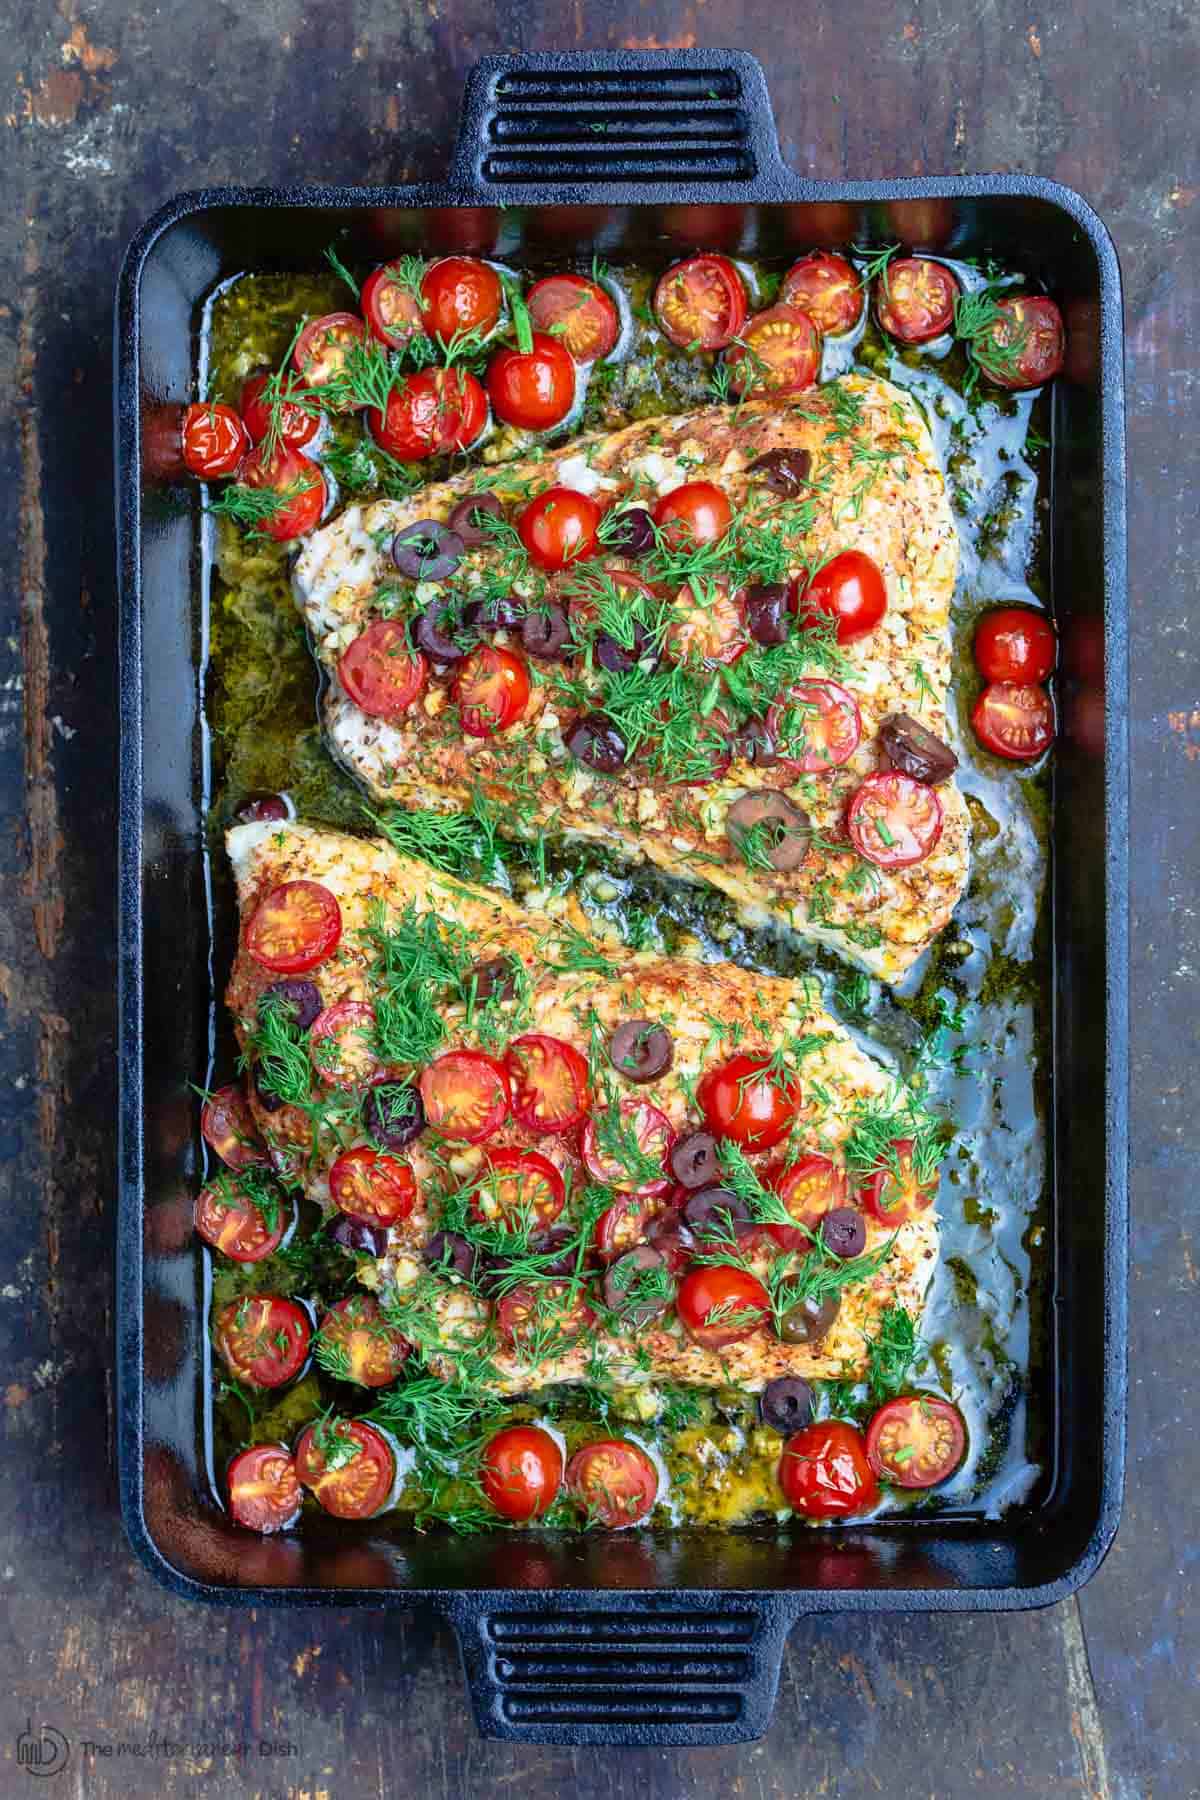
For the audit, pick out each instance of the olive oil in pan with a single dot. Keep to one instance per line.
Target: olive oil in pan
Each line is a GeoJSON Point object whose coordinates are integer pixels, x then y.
{"type": "Point", "coordinates": [972, 1016]}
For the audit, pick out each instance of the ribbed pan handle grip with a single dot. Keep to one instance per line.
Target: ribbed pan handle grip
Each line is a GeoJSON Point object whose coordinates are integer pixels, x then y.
{"type": "Point", "coordinates": [692, 117]}
{"type": "Point", "coordinates": [619, 1671]}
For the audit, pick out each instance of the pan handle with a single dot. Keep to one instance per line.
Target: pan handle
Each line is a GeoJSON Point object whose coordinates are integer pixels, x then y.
{"type": "Point", "coordinates": [700, 119]}
{"type": "Point", "coordinates": [661, 1669]}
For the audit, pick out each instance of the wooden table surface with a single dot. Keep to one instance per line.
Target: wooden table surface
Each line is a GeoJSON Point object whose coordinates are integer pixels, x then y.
{"type": "Point", "coordinates": [108, 109]}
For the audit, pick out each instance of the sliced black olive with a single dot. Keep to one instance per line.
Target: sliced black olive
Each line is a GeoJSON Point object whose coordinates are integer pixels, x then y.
{"type": "Point", "coordinates": [356, 1234]}
{"type": "Point", "coordinates": [844, 1231]}
{"type": "Point", "coordinates": [769, 830]}
{"type": "Point", "coordinates": [259, 808]}
{"type": "Point", "coordinates": [766, 612]}
{"type": "Point", "coordinates": [641, 1051]}
{"type": "Point", "coordinates": [466, 519]}
{"type": "Point", "coordinates": [786, 1404]}
{"type": "Point", "coordinates": [493, 979]}
{"type": "Point", "coordinates": [628, 1292]}
{"type": "Point", "coordinates": [785, 471]}
{"type": "Point", "coordinates": [631, 533]}
{"type": "Point", "coordinates": [268, 1099]}
{"type": "Point", "coordinates": [619, 658]}
{"type": "Point", "coordinates": [554, 1244]}
{"type": "Point", "coordinates": [810, 1320]}
{"type": "Point", "coordinates": [503, 612]}
{"type": "Point", "coordinates": [753, 743]}
{"type": "Point", "coordinates": [427, 550]}
{"type": "Point", "coordinates": [916, 750]}
{"type": "Point", "coordinates": [438, 631]}
{"type": "Point", "coordinates": [546, 631]}
{"type": "Point", "coordinates": [694, 1162]}
{"type": "Point", "coordinates": [450, 1253]}
{"type": "Point", "coordinates": [595, 741]}
{"type": "Point", "coordinates": [394, 1114]}
{"type": "Point", "coordinates": [297, 1001]}
{"type": "Point", "coordinates": [717, 1209]}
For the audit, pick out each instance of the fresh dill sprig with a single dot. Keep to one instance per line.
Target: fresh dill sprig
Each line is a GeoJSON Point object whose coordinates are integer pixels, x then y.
{"type": "Point", "coordinates": [340, 270]}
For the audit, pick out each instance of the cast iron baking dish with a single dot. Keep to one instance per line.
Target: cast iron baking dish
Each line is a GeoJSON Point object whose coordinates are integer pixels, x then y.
{"type": "Point", "coordinates": [630, 1637]}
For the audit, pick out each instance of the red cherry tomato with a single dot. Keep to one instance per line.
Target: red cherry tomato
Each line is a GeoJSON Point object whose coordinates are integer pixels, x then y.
{"type": "Point", "coordinates": [380, 671]}
{"type": "Point", "coordinates": [431, 413]}
{"type": "Point", "coordinates": [1013, 643]}
{"type": "Point", "coordinates": [894, 820]}
{"type": "Point", "coordinates": [322, 350]}
{"type": "Point", "coordinates": [214, 440]}
{"type": "Point", "coordinates": [263, 1339]}
{"type": "Point", "coordinates": [630, 1156]}
{"type": "Point", "coordinates": [894, 1193]}
{"type": "Point", "coordinates": [696, 513]}
{"type": "Point", "coordinates": [520, 1190]}
{"type": "Point", "coordinates": [720, 1304]}
{"type": "Point", "coordinates": [559, 527]}
{"type": "Point", "coordinates": [491, 690]}
{"type": "Point", "coordinates": [356, 1343]}
{"type": "Point", "coordinates": [229, 1218]}
{"type": "Point", "coordinates": [393, 312]}
{"type": "Point", "coordinates": [815, 726]}
{"type": "Point", "coordinates": [749, 1101]}
{"type": "Point", "coordinates": [706, 626]}
{"type": "Point", "coordinates": [578, 313]}
{"type": "Point", "coordinates": [914, 299]}
{"type": "Point", "coordinates": [549, 1083]}
{"type": "Point", "coordinates": [461, 294]}
{"type": "Point", "coordinates": [850, 590]}
{"type": "Point", "coordinates": [465, 1094]}
{"type": "Point", "coordinates": [614, 1481]}
{"type": "Point", "coordinates": [341, 1044]}
{"type": "Point", "coordinates": [809, 1189]}
{"type": "Point", "coordinates": [542, 1318]}
{"type": "Point", "coordinates": [296, 426]}
{"type": "Point", "coordinates": [264, 1492]}
{"type": "Point", "coordinates": [824, 1472]}
{"type": "Point", "coordinates": [299, 487]}
{"type": "Point", "coordinates": [348, 1465]}
{"type": "Point", "coordinates": [624, 1225]}
{"type": "Point", "coordinates": [1025, 344]}
{"type": "Point", "coordinates": [227, 1126]}
{"type": "Point", "coordinates": [375, 1188]}
{"type": "Point", "coordinates": [700, 304]}
{"type": "Point", "coordinates": [534, 389]}
{"type": "Point", "coordinates": [778, 352]}
{"type": "Point", "coordinates": [521, 1471]}
{"type": "Point", "coordinates": [827, 288]}
{"type": "Point", "coordinates": [1014, 719]}
{"type": "Point", "coordinates": [916, 1441]}
{"type": "Point", "coordinates": [295, 927]}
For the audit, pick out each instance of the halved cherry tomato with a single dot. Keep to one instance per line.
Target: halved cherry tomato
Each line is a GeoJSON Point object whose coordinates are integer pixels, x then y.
{"type": "Point", "coordinates": [559, 527]}
{"type": "Point", "coordinates": [393, 312]}
{"type": "Point", "coordinates": [706, 624]}
{"type": "Point", "coordinates": [653, 1134]}
{"type": "Point", "coordinates": [519, 1190]}
{"type": "Point", "coordinates": [777, 352]}
{"type": "Point", "coordinates": [359, 1345]}
{"type": "Point", "coordinates": [296, 427]}
{"type": "Point", "coordinates": [577, 312]}
{"type": "Point", "coordinates": [264, 1491]}
{"type": "Point", "coordinates": [749, 1100]}
{"type": "Point", "coordinates": [696, 513]}
{"type": "Point", "coordinates": [894, 820]}
{"type": "Point", "coordinates": [614, 1481]}
{"type": "Point", "coordinates": [809, 1189]}
{"type": "Point", "coordinates": [549, 1083]}
{"type": "Point", "coordinates": [914, 299]}
{"type": "Point", "coordinates": [299, 486]}
{"type": "Point", "coordinates": [371, 1186]}
{"type": "Point", "coordinates": [214, 440]}
{"type": "Point", "coordinates": [623, 1225]}
{"type": "Point", "coordinates": [229, 1218]}
{"type": "Point", "coordinates": [227, 1126]}
{"type": "Point", "coordinates": [916, 1441]}
{"type": "Point", "coordinates": [1025, 344]}
{"type": "Point", "coordinates": [461, 294]}
{"type": "Point", "coordinates": [521, 1471]}
{"type": "Point", "coordinates": [465, 1094]}
{"type": "Point", "coordinates": [721, 1304]}
{"type": "Point", "coordinates": [815, 726]}
{"type": "Point", "coordinates": [893, 1193]}
{"type": "Point", "coordinates": [381, 672]}
{"type": "Point", "coordinates": [1014, 719]}
{"type": "Point", "coordinates": [348, 1465]}
{"type": "Point", "coordinates": [263, 1339]}
{"type": "Point", "coordinates": [431, 413]}
{"type": "Point", "coordinates": [322, 348]}
{"type": "Point", "coordinates": [824, 1472]}
{"type": "Point", "coordinates": [827, 288]}
{"type": "Point", "coordinates": [700, 304]}
{"type": "Point", "coordinates": [341, 1044]}
{"type": "Point", "coordinates": [491, 690]}
{"type": "Point", "coordinates": [295, 927]}
{"type": "Point", "coordinates": [542, 1317]}
{"type": "Point", "coordinates": [1014, 643]}
{"type": "Point", "coordinates": [533, 389]}
{"type": "Point", "coordinates": [850, 590]}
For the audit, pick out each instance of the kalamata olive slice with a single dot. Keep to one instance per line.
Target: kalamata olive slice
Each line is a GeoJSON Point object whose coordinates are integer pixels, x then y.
{"type": "Point", "coordinates": [619, 658]}
{"type": "Point", "coordinates": [427, 550]}
{"type": "Point", "coordinates": [595, 741]}
{"type": "Point", "coordinates": [394, 1114]}
{"type": "Point", "coordinates": [844, 1231]}
{"type": "Point", "coordinates": [546, 631]}
{"type": "Point", "coordinates": [258, 809]}
{"type": "Point", "coordinates": [694, 1161]}
{"type": "Point", "coordinates": [769, 831]}
{"type": "Point", "coordinates": [268, 1099]}
{"type": "Point", "coordinates": [503, 612]}
{"type": "Point", "coordinates": [915, 750]}
{"type": "Point", "coordinates": [493, 979]}
{"type": "Point", "coordinates": [563, 1264]}
{"type": "Point", "coordinates": [297, 1001]}
{"type": "Point", "coordinates": [754, 744]}
{"type": "Point", "coordinates": [717, 1209]}
{"type": "Point", "coordinates": [786, 1404]}
{"type": "Point", "coordinates": [809, 1322]}
{"type": "Point", "coordinates": [357, 1234]}
{"type": "Point", "coordinates": [466, 521]}
{"type": "Point", "coordinates": [438, 631]}
{"type": "Point", "coordinates": [631, 533]}
{"type": "Point", "coordinates": [641, 1051]}
{"type": "Point", "coordinates": [785, 471]}
{"type": "Point", "coordinates": [765, 606]}
{"type": "Point", "coordinates": [450, 1253]}
{"type": "Point", "coordinates": [627, 1292]}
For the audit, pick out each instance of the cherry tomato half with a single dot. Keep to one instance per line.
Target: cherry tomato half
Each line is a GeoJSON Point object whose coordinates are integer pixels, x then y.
{"type": "Point", "coordinates": [263, 1339]}
{"type": "Point", "coordinates": [1014, 643]}
{"type": "Point", "coordinates": [578, 313]}
{"type": "Point", "coordinates": [229, 1218]}
{"type": "Point", "coordinates": [696, 513]}
{"type": "Point", "coordinates": [549, 1083]}
{"type": "Point", "coordinates": [322, 349]}
{"type": "Point", "coordinates": [380, 671]}
{"type": "Point", "coordinates": [461, 294]}
{"type": "Point", "coordinates": [521, 1471]}
{"type": "Point", "coordinates": [227, 1126]}
{"type": "Point", "coordinates": [491, 690]}
{"type": "Point", "coordinates": [296, 426]}
{"type": "Point", "coordinates": [850, 590]}
{"type": "Point", "coordinates": [894, 820]}
{"type": "Point", "coordinates": [373, 1187]}
{"type": "Point", "coordinates": [827, 288]}
{"type": "Point", "coordinates": [348, 1465]}
{"type": "Point", "coordinates": [341, 1044]}
{"type": "Point", "coordinates": [778, 352]}
{"type": "Point", "coordinates": [1014, 719]}
{"type": "Point", "coordinates": [295, 927]}
{"type": "Point", "coordinates": [750, 1101]}
{"type": "Point", "coordinates": [559, 527]}
{"type": "Point", "coordinates": [1025, 344]}
{"type": "Point", "coordinates": [465, 1094]}
{"type": "Point", "coordinates": [541, 1318]}
{"type": "Point", "coordinates": [264, 1491]}
{"type": "Point", "coordinates": [519, 1190]}
{"type": "Point", "coordinates": [706, 625]}
{"type": "Point", "coordinates": [700, 304]}
{"type": "Point", "coordinates": [809, 1189]}
{"type": "Point", "coordinates": [632, 1156]}
{"type": "Point", "coordinates": [393, 312]}
{"type": "Point", "coordinates": [815, 726]}
{"type": "Point", "coordinates": [534, 389]}
{"type": "Point", "coordinates": [356, 1343]}
{"type": "Point", "coordinates": [614, 1481]}
{"type": "Point", "coordinates": [824, 1472]}
{"type": "Point", "coordinates": [916, 1441]}
{"type": "Point", "coordinates": [894, 1193]}
{"type": "Point", "coordinates": [299, 487]}
{"type": "Point", "coordinates": [720, 1304]}
{"type": "Point", "coordinates": [623, 1225]}
{"type": "Point", "coordinates": [914, 299]}
{"type": "Point", "coordinates": [214, 440]}
{"type": "Point", "coordinates": [431, 413]}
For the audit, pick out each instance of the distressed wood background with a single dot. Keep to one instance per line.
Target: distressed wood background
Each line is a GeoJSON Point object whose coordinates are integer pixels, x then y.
{"type": "Point", "coordinates": [109, 107]}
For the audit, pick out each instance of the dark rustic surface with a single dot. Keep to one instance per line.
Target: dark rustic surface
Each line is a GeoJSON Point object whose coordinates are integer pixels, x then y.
{"type": "Point", "coordinates": [110, 107]}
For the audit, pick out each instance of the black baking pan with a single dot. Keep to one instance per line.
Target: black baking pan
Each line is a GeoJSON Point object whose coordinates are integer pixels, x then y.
{"type": "Point", "coordinates": [633, 1637]}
